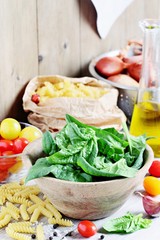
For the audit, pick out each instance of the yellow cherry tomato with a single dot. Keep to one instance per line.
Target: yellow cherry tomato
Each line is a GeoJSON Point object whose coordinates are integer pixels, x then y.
{"type": "Point", "coordinates": [152, 185]}
{"type": "Point", "coordinates": [10, 128]}
{"type": "Point", "coordinates": [31, 133]}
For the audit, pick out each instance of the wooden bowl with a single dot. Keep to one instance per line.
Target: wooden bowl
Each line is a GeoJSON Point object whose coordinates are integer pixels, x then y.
{"type": "Point", "coordinates": [92, 200]}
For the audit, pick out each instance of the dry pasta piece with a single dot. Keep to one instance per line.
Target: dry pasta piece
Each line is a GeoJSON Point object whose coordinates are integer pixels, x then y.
{"type": "Point", "coordinates": [31, 191]}
{"type": "Point", "coordinates": [31, 209]}
{"type": "Point", "coordinates": [23, 212]}
{"type": "Point", "coordinates": [23, 223]}
{"type": "Point", "coordinates": [2, 199]}
{"type": "Point", "coordinates": [22, 192]}
{"type": "Point", "coordinates": [10, 185]}
{"type": "Point", "coordinates": [26, 192]}
{"type": "Point", "coordinates": [53, 210]}
{"type": "Point", "coordinates": [40, 232]}
{"type": "Point", "coordinates": [22, 227]}
{"type": "Point", "coordinates": [15, 235]}
{"type": "Point", "coordinates": [2, 215]}
{"type": "Point", "coordinates": [5, 220]}
{"type": "Point", "coordinates": [46, 199]}
{"type": "Point", "coordinates": [20, 200]}
{"type": "Point", "coordinates": [62, 222]}
{"type": "Point", "coordinates": [35, 215]}
{"type": "Point", "coordinates": [13, 207]}
{"type": "Point", "coordinates": [45, 212]}
{"type": "Point", "coordinates": [7, 191]}
{"type": "Point", "coordinates": [36, 199]}
{"type": "Point", "coordinates": [11, 212]}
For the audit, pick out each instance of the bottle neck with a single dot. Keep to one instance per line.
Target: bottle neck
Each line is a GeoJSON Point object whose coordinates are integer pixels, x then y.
{"type": "Point", "coordinates": [149, 86]}
{"type": "Point", "coordinates": [151, 59]}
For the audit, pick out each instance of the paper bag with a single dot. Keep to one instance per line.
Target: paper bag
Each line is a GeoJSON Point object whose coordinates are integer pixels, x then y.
{"type": "Point", "coordinates": [50, 115]}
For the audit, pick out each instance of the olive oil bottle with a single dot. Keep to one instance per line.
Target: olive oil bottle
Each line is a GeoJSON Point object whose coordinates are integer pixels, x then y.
{"type": "Point", "coordinates": [146, 113]}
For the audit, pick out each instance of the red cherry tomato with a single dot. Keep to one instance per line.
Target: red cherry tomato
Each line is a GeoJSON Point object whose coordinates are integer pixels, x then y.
{"type": "Point", "coordinates": [19, 144]}
{"type": "Point", "coordinates": [6, 153]}
{"type": "Point", "coordinates": [154, 169]}
{"type": "Point", "coordinates": [3, 175]}
{"type": "Point", "coordinates": [5, 162]}
{"type": "Point", "coordinates": [35, 98]}
{"type": "Point", "coordinates": [6, 145]}
{"type": "Point", "coordinates": [87, 228]}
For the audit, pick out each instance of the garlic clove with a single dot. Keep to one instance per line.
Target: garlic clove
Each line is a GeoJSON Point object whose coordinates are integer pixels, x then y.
{"type": "Point", "coordinates": [151, 206]}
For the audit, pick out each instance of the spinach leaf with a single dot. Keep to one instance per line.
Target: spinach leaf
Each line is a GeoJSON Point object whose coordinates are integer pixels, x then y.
{"type": "Point", "coordinates": [62, 139]}
{"type": "Point", "coordinates": [114, 132]}
{"type": "Point", "coordinates": [127, 224]}
{"type": "Point", "coordinates": [110, 146]}
{"type": "Point", "coordinates": [43, 168]}
{"type": "Point", "coordinates": [61, 158]}
{"type": "Point", "coordinates": [68, 172]}
{"type": "Point", "coordinates": [81, 141]}
{"type": "Point", "coordinates": [48, 143]}
{"type": "Point", "coordinates": [110, 142]}
{"type": "Point", "coordinates": [137, 145]}
{"type": "Point", "coordinates": [90, 151]}
{"type": "Point", "coordinates": [138, 163]}
{"type": "Point", "coordinates": [68, 155]}
{"type": "Point", "coordinates": [100, 133]}
{"type": "Point", "coordinates": [40, 169]}
{"type": "Point", "coordinates": [76, 134]}
{"type": "Point", "coordinates": [117, 169]}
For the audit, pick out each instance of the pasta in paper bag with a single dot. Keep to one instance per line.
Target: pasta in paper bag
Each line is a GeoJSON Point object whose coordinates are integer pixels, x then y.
{"type": "Point", "coordinates": [49, 114]}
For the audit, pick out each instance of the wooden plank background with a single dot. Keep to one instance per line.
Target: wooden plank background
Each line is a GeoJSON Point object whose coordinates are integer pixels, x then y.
{"type": "Point", "coordinates": [39, 37]}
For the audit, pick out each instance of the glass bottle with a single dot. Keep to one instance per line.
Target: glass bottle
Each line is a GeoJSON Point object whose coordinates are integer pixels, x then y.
{"type": "Point", "coordinates": [146, 113]}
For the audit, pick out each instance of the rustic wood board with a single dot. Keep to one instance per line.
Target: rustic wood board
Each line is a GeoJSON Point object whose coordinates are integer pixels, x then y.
{"type": "Point", "coordinates": [56, 37]}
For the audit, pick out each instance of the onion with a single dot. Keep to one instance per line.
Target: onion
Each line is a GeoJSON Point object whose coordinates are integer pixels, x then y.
{"type": "Point", "coordinates": [124, 79]}
{"type": "Point", "coordinates": [134, 70]}
{"type": "Point", "coordinates": [108, 66]}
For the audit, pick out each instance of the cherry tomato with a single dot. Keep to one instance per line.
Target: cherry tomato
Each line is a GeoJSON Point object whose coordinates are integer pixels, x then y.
{"type": "Point", "coordinates": [87, 228]}
{"type": "Point", "coordinates": [152, 185]}
{"type": "Point", "coordinates": [3, 175]}
{"type": "Point", "coordinates": [30, 133]}
{"type": "Point", "coordinates": [10, 128]}
{"type": "Point", "coordinates": [6, 145]}
{"type": "Point", "coordinates": [19, 144]}
{"type": "Point", "coordinates": [35, 98]}
{"type": "Point", "coordinates": [154, 169]}
{"type": "Point", "coordinates": [6, 163]}
{"type": "Point", "coordinates": [7, 153]}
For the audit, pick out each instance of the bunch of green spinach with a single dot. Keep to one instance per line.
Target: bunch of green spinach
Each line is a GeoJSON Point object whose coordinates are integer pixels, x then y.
{"type": "Point", "coordinates": [83, 153]}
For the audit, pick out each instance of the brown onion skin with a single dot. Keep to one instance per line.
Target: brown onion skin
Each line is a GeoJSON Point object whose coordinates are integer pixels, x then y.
{"type": "Point", "coordinates": [134, 70]}
{"type": "Point", "coordinates": [109, 66]}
